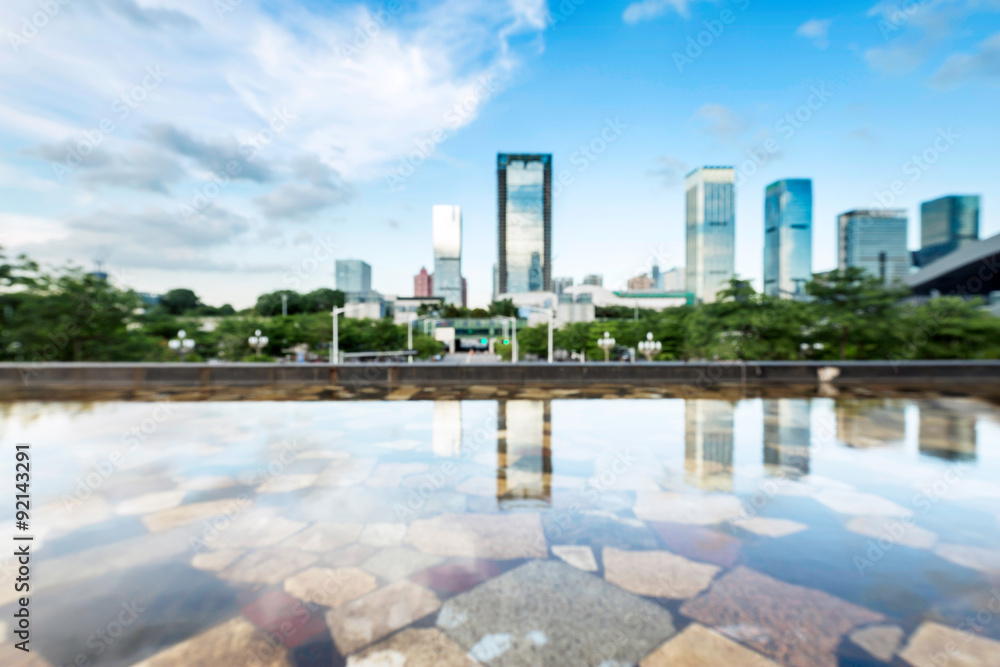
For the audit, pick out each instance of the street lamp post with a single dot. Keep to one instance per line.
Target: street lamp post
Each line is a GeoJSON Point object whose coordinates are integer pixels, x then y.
{"type": "Point", "coordinates": [257, 342]}
{"type": "Point", "coordinates": [182, 344]}
{"type": "Point", "coordinates": [649, 347]}
{"type": "Point", "coordinates": [606, 344]}
{"type": "Point", "coordinates": [335, 345]}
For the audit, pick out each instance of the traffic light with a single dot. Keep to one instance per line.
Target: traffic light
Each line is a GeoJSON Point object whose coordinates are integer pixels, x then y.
{"type": "Point", "coordinates": [506, 342]}
{"type": "Point", "coordinates": [483, 341]}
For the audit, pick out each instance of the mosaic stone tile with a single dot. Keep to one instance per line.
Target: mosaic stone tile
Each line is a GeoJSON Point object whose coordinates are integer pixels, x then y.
{"type": "Point", "coordinates": [412, 648]}
{"type": "Point", "coordinates": [186, 514]}
{"type": "Point", "coordinates": [881, 641]}
{"type": "Point", "coordinates": [268, 566]}
{"type": "Point", "coordinates": [702, 544]}
{"type": "Point", "coordinates": [60, 515]}
{"type": "Point", "coordinates": [324, 536]}
{"type": "Point", "coordinates": [253, 529]}
{"type": "Point", "coordinates": [115, 529]}
{"type": "Point", "coordinates": [795, 626]}
{"type": "Point", "coordinates": [397, 563]}
{"type": "Point", "coordinates": [546, 612]}
{"type": "Point", "coordinates": [313, 454]}
{"type": "Point", "coordinates": [370, 618]}
{"type": "Point", "coordinates": [657, 574]}
{"type": "Point", "coordinates": [699, 646]}
{"type": "Point", "coordinates": [402, 444]}
{"type": "Point", "coordinates": [582, 558]}
{"type": "Point", "coordinates": [974, 558]}
{"type": "Point", "coordinates": [352, 554]}
{"type": "Point", "coordinates": [383, 534]}
{"type": "Point", "coordinates": [894, 530]}
{"type": "Point", "coordinates": [771, 527]}
{"type": "Point", "coordinates": [286, 483]}
{"type": "Point", "coordinates": [936, 645]}
{"type": "Point", "coordinates": [597, 528]}
{"type": "Point", "coordinates": [856, 503]}
{"type": "Point", "coordinates": [458, 575]}
{"type": "Point", "coordinates": [225, 645]}
{"type": "Point", "coordinates": [393, 474]}
{"type": "Point", "coordinates": [285, 618]}
{"type": "Point", "coordinates": [216, 561]}
{"type": "Point", "coordinates": [347, 472]}
{"type": "Point", "coordinates": [330, 588]}
{"type": "Point", "coordinates": [150, 502]}
{"type": "Point", "coordinates": [490, 536]}
{"type": "Point", "coordinates": [207, 483]}
{"type": "Point", "coordinates": [689, 509]}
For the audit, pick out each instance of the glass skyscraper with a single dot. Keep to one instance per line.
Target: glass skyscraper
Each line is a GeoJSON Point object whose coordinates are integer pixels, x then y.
{"type": "Point", "coordinates": [711, 230]}
{"type": "Point", "coordinates": [947, 224]}
{"type": "Point", "coordinates": [787, 237]}
{"type": "Point", "coordinates": [353, 276]}
{"type": "Point", "coordinates": [447, 221]}
{"type": "Point", "coordinates": [524, 186]}
{"type": "Point", "coordinates": [874, 240]}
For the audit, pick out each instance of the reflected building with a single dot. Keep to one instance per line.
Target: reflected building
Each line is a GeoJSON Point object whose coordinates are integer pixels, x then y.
{"type": "Point", "coordinates": [946, 434]}
{"type": "Point", "coordinates": [710, 212]}
{"type": "Point", "coordinates": [448, 282]}
{"type": "Point", "coordinates": [446, 438]}
{"type": "Point", "coordinates": [788, 237]}
{"type": "Point", "coordinates": [524, 186]}
{"type": "Point", "coordinates": [524, 453]}
{"type": "Point", "coordinates": [708, 444]}
{"type": "Point", "coordinates": [863, 424]}
{"type": "Point", "coordinates": [787, 433]}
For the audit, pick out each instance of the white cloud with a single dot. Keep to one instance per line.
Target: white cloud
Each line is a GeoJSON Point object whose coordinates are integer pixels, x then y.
{"type": "Point", "coordinates": [720, 122]}
{"type": "Point", "coordinates": [983, 64]}
{"type": "Point", "coordinates": [646, 10]}
{"type": "Point", "coordinates": [818, 30]}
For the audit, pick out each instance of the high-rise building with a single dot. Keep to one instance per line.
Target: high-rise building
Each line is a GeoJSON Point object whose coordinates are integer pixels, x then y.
{"type": "Point", "coordinates": [447, 221]}
{"type": "Point", "coordinates": [671, 280]}
{"type": "Point", "coordinates": [524, 186]}
{"type": "Point", "coordinates": [641, 282]}
{"type": "Point", "coordinates": [559, 285]}
{"type": "Point", "coordinates": [524, 453]}
{"type": "Point", "coordinates": [594, 279]}
{"type": "Point", "coordinates": [711, 230]}
{"type": "Point", "coordinates": [353, 276]}
{"type": "Point", "coordinates": [874, 240]}
{"type": "Point", "coordinates": [708, 444]}
{"type": "Point", "coordinates": [423, 284]}
{"type": "Point", "coordinates": [947, 224]}
{"type": "Point", "coordinates": [656, 276]}
{"type": "Point", "coordinates": [787, 433]}
{"type": "Point", "coordinates": [787, 237]}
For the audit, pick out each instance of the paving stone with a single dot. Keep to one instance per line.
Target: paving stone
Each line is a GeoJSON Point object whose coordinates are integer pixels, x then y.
{"type": "Point", "coordinates": [268, 566]}
{"type": "Point", "coordinates": [252, 529]}
{"type": "Point", "coordinates": [657, 574]}
{"type": "Point", "coordinates": [699, 646]}
{"type": "Point", "coordinates": [150, 502]}
{"type": "Point", "coordinates": [597, 529]}
{"type": "Point", "coordinates": [383, 534]}
{"type": "Point", "coordinates": [285, 618]}
{"type": "Point", "coordinates": [347, 472]}
{"type": "Point", "coordinates": [582, 558]}
{"type": "Point", "coordinates": [330, 588]}
{"type": "Point", "coordinates": [206, 483]}
{"type": "Point", "coordinates": [795, 626]}
{"type": "Point", "coordinates": [215, 561]}
{"type": "Point", "coordinates": [974, 558]}
{"type": "Point", "coordinates": [370, 618]}
{"type": "Point", "coordinates": [856, 503]}
{"type": "Point", "coordinates": [935, 645]}
{"type": "Point", "coordinates": [492, 536]}
{"type": "Point", "coordinates": [881, 641]}
{"type": "Point", "coordinates": [352, 554]}
{"type": "Point", "coordinates": [771, 527]}
{"type": "Point", "coordinates": [699, 510]}
{"type": "Point", "coordinates": [458, 575]}
{"type": "Point", "coordinates": [393, 474]}
{"type": "Point", "coordinates": [324, 536]}
{"type": "Point", "coordinates": [413, 648]}
{"type": "Point", "coordinates": [893, 529]}
{"type": "Point", "coordinates": [191, 513]}
{"type": "Point", "coordinates": [287, 483]}
{"type": "Point", "coordinates": [549, 613]}
{"type": "Point", "coordinates": [397, 563]}
{"type": "Point", "coordinates": [226, 645]}
{"type": "Point", "coordinates": [706, 545]}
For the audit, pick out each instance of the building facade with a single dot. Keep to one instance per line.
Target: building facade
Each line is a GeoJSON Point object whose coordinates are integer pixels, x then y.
{"type": "Point", "coordinates": [947, 224]}
{"type": "Point", "coordinates": [447, 283]}
{"type": "Point", "coordinates": [524, 187]}
{"type": "Point", "coordinates": [641, 282]}
{"type": "Point", "coordinates": [423, 284]}
{"type": "Point", "coordinates": [353, 276]}
{"type": "Point", "coordinates": [594, 279]}
{"type": "Point", "coordinates": [787, 237]}
{"type": "Point", "coordinates": [710, 212]}
{"type": "Point", "coordinates": [559, 285]}
{"type": "Point", "coordinates": [874, 240]}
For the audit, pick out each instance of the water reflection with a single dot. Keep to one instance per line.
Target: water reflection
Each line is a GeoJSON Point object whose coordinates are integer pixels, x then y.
{"type": "Point", "coordinates": [871, 423]}
{"type": "Point", "coordinates": [948, 435]}
{"type": "Point", "coordinates": [708, 444]}
{"type": "Point", "coordinates": [447, 428]}
{"type": "Point", "coordinates": [524, 452]}
{"type": "Point", "coordinates": [787, 433]}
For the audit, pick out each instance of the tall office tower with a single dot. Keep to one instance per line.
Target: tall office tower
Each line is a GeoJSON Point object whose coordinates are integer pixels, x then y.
{"type": "Point", "coordinates": [448, 253]}
{"type": "Point", "coordinates": [711, 230]}
{"type": "Point", "coordinates": [708, 444]}
{"type": "Point", "coordinates": [353, 276]}
{"type": "Point", "coordinates": [787, 237]}
{"type": "Point", "coordinates": [559, 285]}
{"type": "Point", "coordinates": [465, 293]}
{"type": "Point", "coordinates": [524, 187]}
{"type": "Point", "coordinates": [423, 284]}
{"type": "Point", "coordinates": [787, 433]}
{"type": "Point", "coordinates": [524, 453]}
{"type": "Point", "coordinates": [594, 279]}
{"type": "Point", "coordinates": [656, 276]}
{"type": "Point", "coordinates": [947, 224]}
{"type": "Point", "coordinates": [874, 240]}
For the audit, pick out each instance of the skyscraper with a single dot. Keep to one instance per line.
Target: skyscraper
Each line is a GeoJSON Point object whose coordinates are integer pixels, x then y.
{"type": "Point", "coordinates": [874, 240]}
{"type": "Point", "coordinates": [447, 222]}
{"type": "Point", "coordinates": [353, 276]}
{"type": "Point", "coordinates": [787, 237]}
{"type": "Point", "coordinates": [559, 285]}
{"type": "Point", "coordinates": [524, 188]}
{"type": "Point", "coordinates": [711, 230]}
{"type": "Point", "coordinates": [708, 444]}
{"type": "Point", "coordinates": [423, 284]}
{"type": "Point", "coordinates": [595, 279]}
{"type": "Point", "coordinates": [947, 224]}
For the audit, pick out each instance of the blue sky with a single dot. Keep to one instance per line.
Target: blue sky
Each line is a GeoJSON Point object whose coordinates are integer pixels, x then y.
{"type": "Point", "coordinates": [238, 147]}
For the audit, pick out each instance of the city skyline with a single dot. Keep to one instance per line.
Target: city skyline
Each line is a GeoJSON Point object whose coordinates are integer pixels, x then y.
{"type": "Point", "coordinates": [876, 110]}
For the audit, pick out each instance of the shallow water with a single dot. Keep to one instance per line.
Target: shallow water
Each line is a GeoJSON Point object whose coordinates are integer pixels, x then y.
{"type": "Point", "coordinates": [521, 532]}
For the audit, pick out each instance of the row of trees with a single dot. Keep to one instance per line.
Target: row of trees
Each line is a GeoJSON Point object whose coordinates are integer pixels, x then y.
{"type": "Point", "coordinates": [71, 315]}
